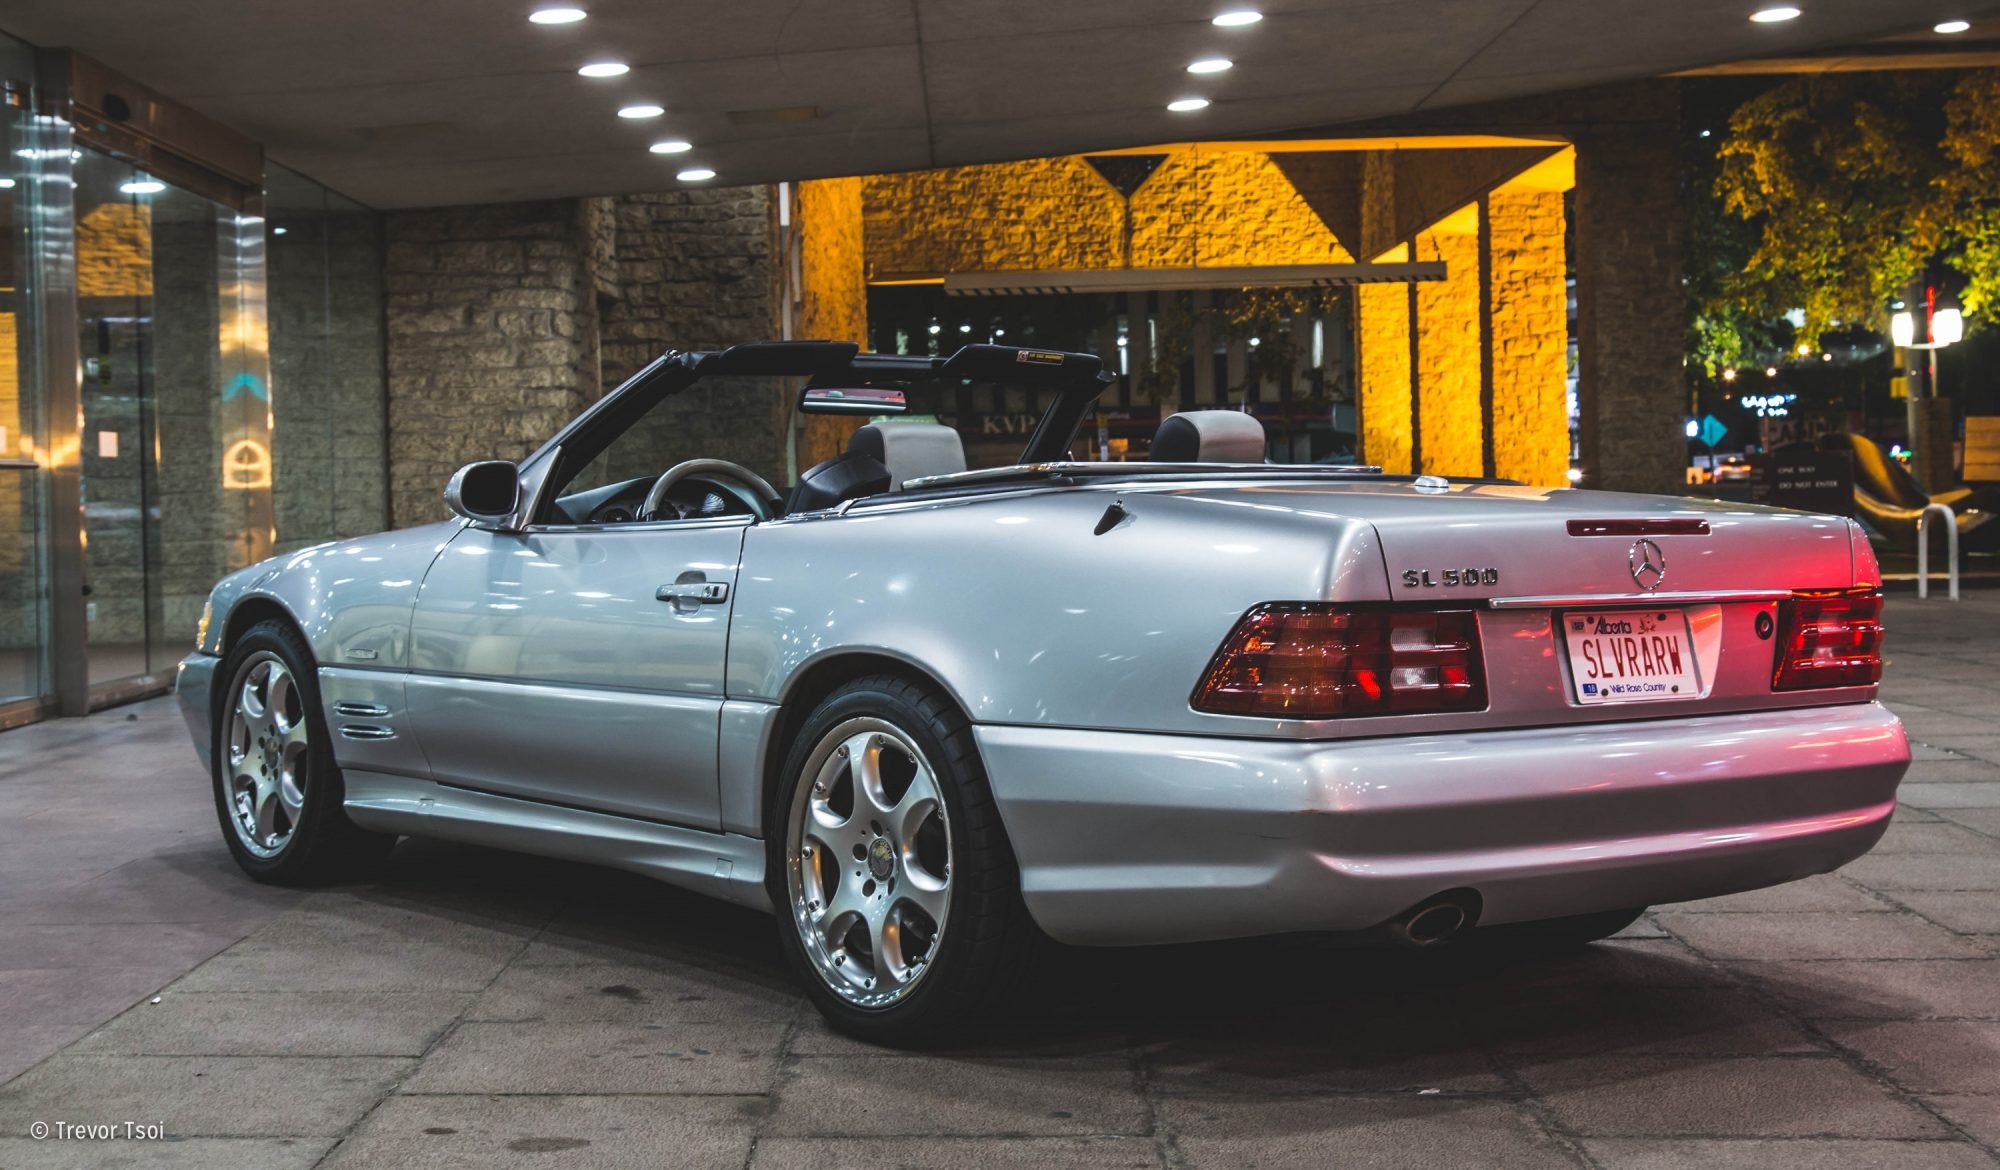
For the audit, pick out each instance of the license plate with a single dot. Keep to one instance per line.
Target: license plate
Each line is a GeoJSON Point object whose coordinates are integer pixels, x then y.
{"type": "Point", "coordinates": [1630, 656]}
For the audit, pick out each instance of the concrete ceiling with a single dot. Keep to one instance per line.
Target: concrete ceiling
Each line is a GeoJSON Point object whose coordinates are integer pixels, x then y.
{"type": "Point", "coordinates": [417, 102]}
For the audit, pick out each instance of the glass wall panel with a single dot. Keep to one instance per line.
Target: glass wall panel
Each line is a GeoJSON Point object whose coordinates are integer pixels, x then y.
{"type": "Point", "coordinates": [176, 421]}
{"type": "Point", "coordinates": [327, 375]}
{"type": "Point", "coordinates": [22, 557]}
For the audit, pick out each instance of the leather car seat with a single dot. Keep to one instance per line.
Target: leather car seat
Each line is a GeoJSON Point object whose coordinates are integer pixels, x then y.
{"type": "Point", "coordinates": [881, 457]}
{"type": "Point", "coordinates": [910, 450]}
{"type": "Point", "coordinates": [1208, 436]}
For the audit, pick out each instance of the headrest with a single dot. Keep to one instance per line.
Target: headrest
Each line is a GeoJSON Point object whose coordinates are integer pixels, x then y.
{"type": "Point", "coordinates": [910, 450]}
{"type": "Point", "coordinates": [1209, 436]}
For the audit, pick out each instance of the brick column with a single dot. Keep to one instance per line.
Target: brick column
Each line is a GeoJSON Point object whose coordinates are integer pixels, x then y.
{"type": "Point", "coordinates": [832, 292]}
{"type": "Point", "coordinates": [1631, 391]}
{"type": "Point", "coordinates": [1382, 324]}
{"type": "Point", "coordinates": [1529, 327]}
{"type": "Point", "coordinates": [1449, 324]}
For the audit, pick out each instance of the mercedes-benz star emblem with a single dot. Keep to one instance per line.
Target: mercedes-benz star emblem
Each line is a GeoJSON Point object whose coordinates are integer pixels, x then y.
{"type": "Point", "coordinates": [1649, 565]}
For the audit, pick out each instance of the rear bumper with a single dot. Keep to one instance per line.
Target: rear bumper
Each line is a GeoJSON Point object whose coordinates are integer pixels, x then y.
{"type": "Point", "coordinates": [194, 685]}
{"type": "Point", "coordinates": [1134, 838]}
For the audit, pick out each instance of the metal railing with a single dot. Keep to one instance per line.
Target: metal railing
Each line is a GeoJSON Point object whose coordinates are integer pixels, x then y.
{"type": "Point", "coordinates": [1924, 549]}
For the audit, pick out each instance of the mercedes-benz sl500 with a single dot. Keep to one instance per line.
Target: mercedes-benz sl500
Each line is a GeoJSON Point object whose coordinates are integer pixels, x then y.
{"type": "Point", "coordinates": [932, 705]}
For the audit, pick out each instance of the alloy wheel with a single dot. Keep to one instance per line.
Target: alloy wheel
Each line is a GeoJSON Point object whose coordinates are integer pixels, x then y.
{"type": "Point", "coordinates": [868, 849]}
{"type": "Point", "coordinates": [267, 754]}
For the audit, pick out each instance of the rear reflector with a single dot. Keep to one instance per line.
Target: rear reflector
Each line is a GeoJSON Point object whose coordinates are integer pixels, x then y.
{"type": "Point", "coordinates": [1316, 661]}
{"type": "Point", "coordinates": [1829, 639]}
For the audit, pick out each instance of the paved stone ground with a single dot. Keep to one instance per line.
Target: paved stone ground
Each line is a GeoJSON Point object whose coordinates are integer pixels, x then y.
{"type": "Point", "coordinates": [479, 1009]}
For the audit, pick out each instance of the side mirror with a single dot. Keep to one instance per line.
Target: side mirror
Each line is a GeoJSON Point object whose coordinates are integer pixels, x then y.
{"type": "Point", "coordinates": [485, 493]}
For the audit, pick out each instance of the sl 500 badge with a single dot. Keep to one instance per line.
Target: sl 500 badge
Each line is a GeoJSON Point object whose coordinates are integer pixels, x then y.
{"type": "Point", "coordinates": [1451, 578]}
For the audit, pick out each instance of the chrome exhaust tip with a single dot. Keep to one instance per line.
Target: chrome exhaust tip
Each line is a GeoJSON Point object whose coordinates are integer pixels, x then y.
{"type": "Point", "coordinates": [1432, 922]}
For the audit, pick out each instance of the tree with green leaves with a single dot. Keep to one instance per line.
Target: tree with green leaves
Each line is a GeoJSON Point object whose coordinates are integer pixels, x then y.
{"type": "Point", "coordinates": [1835, 191]}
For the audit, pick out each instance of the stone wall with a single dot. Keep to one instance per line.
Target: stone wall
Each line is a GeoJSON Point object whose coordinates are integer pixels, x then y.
{"type": "Point", "coordinates": [695, 270]}
{"type": "Point", "coordinates": [506, 320]}
{"type": "Point", "coordinates": [1201, 207]}
{"type": "Point", "coordinates": [325, 296]}
{"type": "Point", "coordinates": [492, 338]}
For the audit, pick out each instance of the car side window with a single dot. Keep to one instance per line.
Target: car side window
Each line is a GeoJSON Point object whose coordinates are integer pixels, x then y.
{"type": "Point", "coordinates": [717, 418]}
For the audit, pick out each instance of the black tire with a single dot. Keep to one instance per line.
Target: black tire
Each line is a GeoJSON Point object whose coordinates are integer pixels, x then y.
{"type": "Point", "coordinates": [323, 845]}
{"type": "Point", "coordinates": [1556, 935]}
{"type": "Point", "coordinates": [986, 947]}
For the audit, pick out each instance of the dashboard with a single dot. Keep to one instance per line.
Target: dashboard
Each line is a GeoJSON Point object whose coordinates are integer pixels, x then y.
{"type": "Point", "coordinates": [619, 503]}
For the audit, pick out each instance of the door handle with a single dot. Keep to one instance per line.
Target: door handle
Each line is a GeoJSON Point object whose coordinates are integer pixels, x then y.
{"type": "Point", "coordinates": [701, 592]}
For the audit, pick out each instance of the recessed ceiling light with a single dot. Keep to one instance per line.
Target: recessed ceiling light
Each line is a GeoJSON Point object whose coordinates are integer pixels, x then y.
{"type": "Point", "coordinates": [641, 112]}
{"type": "Point", "coordinates": [1773, 15]}
{"type": "Point", "coordinates": [605, 69]}
{"type": "Point", "coordinates": [556, 15]}
{"type": "Point", "coordinates": [5, 183]}
{"type": "Point", "coordinates": [1951, 26]}
{"type": "Point", "coordinates": [1210, 65]}
{"type": "Point", "coordinates": [695, 175]}
{"type": "Point", "coordinates": [1187, 105]}
{"type": "Point", "coordinates": [278, 231]}
{"type": "Point", "coordinates": [143, 187]}
{"type": "Point", "coordinates": [671, 146]}
{"type": "Point", "coordinates": [1237, 18]}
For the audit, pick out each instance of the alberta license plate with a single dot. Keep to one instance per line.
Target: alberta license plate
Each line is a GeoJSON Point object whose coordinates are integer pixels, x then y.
{"type": "Point", "coordinates": [1631, 655]}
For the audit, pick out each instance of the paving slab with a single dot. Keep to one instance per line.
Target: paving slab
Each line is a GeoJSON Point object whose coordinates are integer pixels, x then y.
{"type": "Point", "coordinates": [1585, 1021]}
{"type": "Point", "coordinates": [180, 1154]}
{"type": "Point", "coordinates": [1822, 892]}
{"type": "Point", "coordinates": [580, 1057]}
{"type": "Point", "coordinates": [1818, 936]}
{"type": "Point", "coordinates": [280, 1023]}
{"type": "Point", "coordinates": [1888, 989]}
{"type": "Point", "coordinates": [925, 1096]}
{"type": "Point", "coordinates": [1962, 1056]}
{"type": "Point", "coordinates": [1808, 1154]}
{"type": "Point", "coordinates": [1945, 838]}
{"type": "Point", "coordinates": [1660, 1096]}
{"type": "Point", "coordinates": [554, 1132]}
{"type": "Point", "coordinates": [632, 993]}
{"type": "Point", "coordinates": [1111, 1152]}
{"type": "Point", "coordinates": [202, 1096]}
{"type": "Point", "coordinates": [1968, 912]}
{"type": "Point", "coordinates": [1926, 871]}
{"type": "Point", "coordinates": [1359, 1132]}
{"type": "Point", "coordinates": [1975, 1114]}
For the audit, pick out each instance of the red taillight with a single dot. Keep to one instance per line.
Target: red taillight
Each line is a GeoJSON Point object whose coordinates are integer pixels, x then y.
{"type": "Point", "coordinates": [1829, 639]}
{"type": "Point", "coordinates": [1307, 661]}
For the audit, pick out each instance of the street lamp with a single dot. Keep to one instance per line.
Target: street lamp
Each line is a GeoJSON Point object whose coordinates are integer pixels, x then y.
{"type": "Point", "coordinates": [1947, 328]}
{"type": "Point", "coordinates": [1929, 419]}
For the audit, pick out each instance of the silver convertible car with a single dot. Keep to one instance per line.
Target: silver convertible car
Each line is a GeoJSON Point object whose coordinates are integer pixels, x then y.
{"type": "Point", "coordinates": [933, 715]}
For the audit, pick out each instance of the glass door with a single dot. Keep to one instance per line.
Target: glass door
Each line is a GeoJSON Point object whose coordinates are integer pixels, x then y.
{"type": "Point", "coordinates": [115, 212]}
{"type": "Point", "coordinates": [23, 556]}
{"type": "Point", "coordinates": [175, 438]}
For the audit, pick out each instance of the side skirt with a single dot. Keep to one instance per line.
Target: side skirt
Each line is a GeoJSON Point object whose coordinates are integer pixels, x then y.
{"type": "Point", "coordinates": [722, 865]}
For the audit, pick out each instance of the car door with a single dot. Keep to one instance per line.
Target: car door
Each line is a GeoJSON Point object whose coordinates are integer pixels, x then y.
{"type": "Point", "coordinates": [579, 664]}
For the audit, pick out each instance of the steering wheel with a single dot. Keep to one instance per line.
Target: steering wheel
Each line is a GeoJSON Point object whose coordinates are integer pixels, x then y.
{"type": "Point", "coordinates": [766, 495]}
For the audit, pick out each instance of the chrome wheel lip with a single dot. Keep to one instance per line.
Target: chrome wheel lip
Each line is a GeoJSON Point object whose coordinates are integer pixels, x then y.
{"type": "Point", "coordinates": [265, 761]}
{"type": "Point", "coordinates": [881, 978]}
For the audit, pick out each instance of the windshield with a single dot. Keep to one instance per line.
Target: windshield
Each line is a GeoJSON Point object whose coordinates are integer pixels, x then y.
{"type": "Point", "coordinates": [745, 419]}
